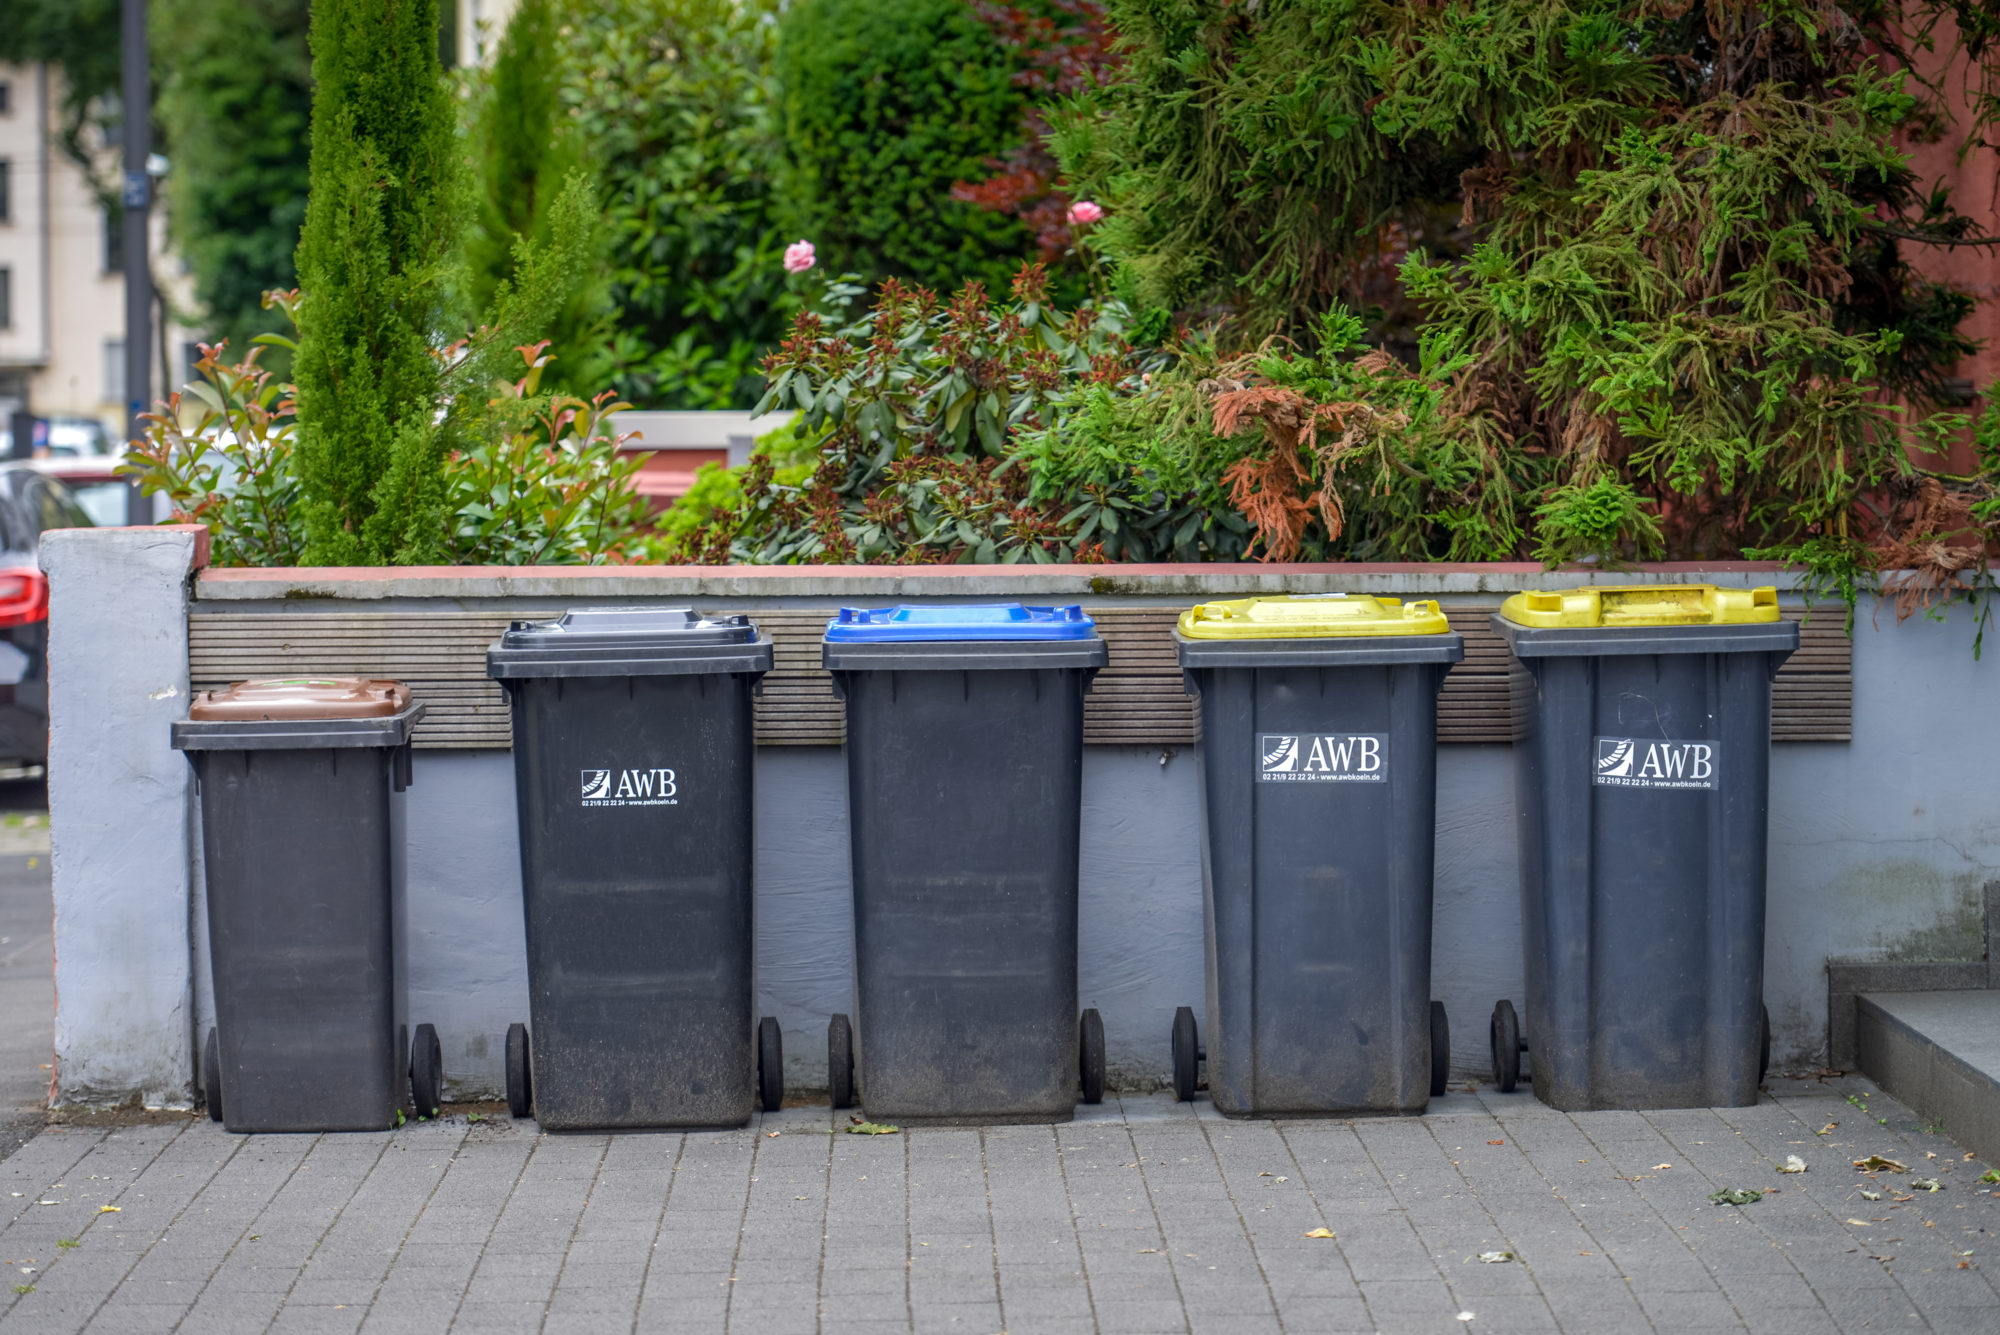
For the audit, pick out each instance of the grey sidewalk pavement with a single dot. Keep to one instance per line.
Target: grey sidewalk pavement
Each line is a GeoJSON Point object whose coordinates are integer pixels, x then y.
{"type": "Point", "coordinates": [1141, 1216]}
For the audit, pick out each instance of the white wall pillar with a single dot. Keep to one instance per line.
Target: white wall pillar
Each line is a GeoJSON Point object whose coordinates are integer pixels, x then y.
{"type": "Point", "coordinates": [119, 812]}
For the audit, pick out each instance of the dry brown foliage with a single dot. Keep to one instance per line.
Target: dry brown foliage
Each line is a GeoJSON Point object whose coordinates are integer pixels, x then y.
{"type": "Point", "coordinates": [1939, 542]}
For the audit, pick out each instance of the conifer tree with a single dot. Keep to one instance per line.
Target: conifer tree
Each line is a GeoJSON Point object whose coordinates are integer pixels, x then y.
{"type": "Point", "coordinates": [384, 217]}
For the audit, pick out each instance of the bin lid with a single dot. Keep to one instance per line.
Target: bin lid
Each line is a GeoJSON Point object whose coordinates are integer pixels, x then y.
{"type": "Point", "coordinates": [1642, 605]}
{"type": "Point", "coordinates": [985, 622]}
{"type": "Point", "coordinates": [629, 642]}
{"type": "Point", "coordinates": [1311, 616]}
{"type": "Point", "coordinates": [298, 713]}
{"type": "Point", "coordinates": [285, 699]}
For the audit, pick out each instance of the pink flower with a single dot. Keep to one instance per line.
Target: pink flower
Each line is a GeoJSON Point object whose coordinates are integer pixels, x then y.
{"type": "Point", "coordinates": [799, 257]}
{"type": "Point", "coordinates": [1085, 211]}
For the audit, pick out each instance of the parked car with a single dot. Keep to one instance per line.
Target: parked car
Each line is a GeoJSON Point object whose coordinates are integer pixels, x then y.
{"type": "Point", "coordinates": [98, 487]}
{"type": "Point", "coordinates": [62, 437]}
{"type": "Point", "coordinates": [30, 504]}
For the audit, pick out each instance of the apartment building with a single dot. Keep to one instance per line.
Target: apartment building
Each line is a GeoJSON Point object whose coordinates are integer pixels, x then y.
{"type": "Point", "coordinates": [62, 285]}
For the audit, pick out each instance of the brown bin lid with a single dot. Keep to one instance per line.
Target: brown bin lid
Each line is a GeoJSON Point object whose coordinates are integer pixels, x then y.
{"type": "Point", "coordinates": [282, 698]}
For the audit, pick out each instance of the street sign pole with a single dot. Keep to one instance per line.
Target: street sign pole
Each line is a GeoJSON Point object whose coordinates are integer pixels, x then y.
{"type": "Point", "coordinates": [137, 197]}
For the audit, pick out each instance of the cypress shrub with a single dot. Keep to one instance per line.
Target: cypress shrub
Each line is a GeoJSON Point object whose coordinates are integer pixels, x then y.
{"type": "Point", "coordinates": [888, 104]}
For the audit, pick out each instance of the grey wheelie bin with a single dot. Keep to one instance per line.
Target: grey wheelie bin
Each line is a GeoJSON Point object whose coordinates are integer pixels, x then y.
{"type": "Point", "coordinates": [633, 753]}
{"type": "Point", "coordinates": [302, 845]}
{"type": "Point", "coordinates": [964, 789]}
{"type": "Point", "coordinates": [1319, 774]}
{"type": "Point", "coordinates": [1642, 774]}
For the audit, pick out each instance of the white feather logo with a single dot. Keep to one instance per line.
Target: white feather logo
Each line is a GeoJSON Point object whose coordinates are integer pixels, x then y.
{"type": "Point", "coordinates": [596, 783]}
{"type": "Point", "coordinates": [1618, 761]}
{"type": "Point", "coordinates": [1283, 756]}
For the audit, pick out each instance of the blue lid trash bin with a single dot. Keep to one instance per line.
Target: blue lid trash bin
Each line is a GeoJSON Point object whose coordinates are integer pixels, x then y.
{"type": "Point", "coordinates": [301, 848]}
{"type": "Point", "coordinates": [964, 785]}
{"type": "Point", "coordinates": [1642, 783]}
{"type": "Point", "coordinates": [1319, 775]}
{"type": "Point", "coordinates": [633, 754]}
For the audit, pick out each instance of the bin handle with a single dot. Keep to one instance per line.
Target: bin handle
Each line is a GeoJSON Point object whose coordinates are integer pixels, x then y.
{"type": "Point", "coordinates": [402, 767]}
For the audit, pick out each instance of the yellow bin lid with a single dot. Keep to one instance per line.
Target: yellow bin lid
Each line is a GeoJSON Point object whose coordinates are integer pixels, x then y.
{"type": "Point", "coordinates": [1642, 605]}
{"type": "Point", "coordinates": [1311, 616]}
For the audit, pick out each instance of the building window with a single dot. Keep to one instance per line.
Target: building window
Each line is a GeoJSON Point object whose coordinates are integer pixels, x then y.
{"type": "Point", "coordinates": [190, 354]}
{"type": "Point", "coordinates": [114, 371]}
{"type": "Point", "coordinates": [114, 240]}
{"type": "Point", "coordinates": [6, 298]}
{"type": "Point", "coordinates": [6, 191]}
{"type": "Point", "coordinates": [6, 98]}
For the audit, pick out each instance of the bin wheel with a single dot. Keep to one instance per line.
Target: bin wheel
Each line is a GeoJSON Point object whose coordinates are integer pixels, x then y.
{"type": "Point", "coordinates": [1440, 1049]}
{"type": "Point", "coordinates": [211, 1076]}
{"type": "Point", "coordinates": [1187, 1054]}
{"type": "Point", "coordinates": [840, 1061]}
{"type": "Point", "coordinates": [520, 1078]}
{"type": "Point", "coordinates": [770, 1064]}
{"type": "Point", "coordinates": [426, 1070]}
{"type": "Point", "coordinates": [1090, 1052]}
{"type": "Point", "coordinates": [1763, 1043]}
{"type": "Point", "coordinates": [1506, 1039]}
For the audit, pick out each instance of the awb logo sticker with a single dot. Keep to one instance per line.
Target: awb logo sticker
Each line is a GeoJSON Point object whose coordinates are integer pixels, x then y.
{"type": "Point", "coordinates": [1635, 762]}
{"type": "Point", "coordinates": [1341, 757]}
{"type": "Point", "coordinates": [630, 788]}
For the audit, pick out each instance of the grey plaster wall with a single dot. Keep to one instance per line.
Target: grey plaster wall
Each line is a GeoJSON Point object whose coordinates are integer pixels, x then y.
{"type": "Point", "coordinates": [1879, 848]}
{"type": "Point", "coordinates": [118, 670]}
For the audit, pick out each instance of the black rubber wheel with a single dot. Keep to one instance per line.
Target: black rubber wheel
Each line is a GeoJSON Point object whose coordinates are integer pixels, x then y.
{"type": "Point", "coordinates": [1506, 1039]}
{"type": "Point", "coordinates": [1763, 1043]}
{"type": "Point", "coordinates": [211, 1076]}
{"type": "Point", "coordinates": [1440, 1049]}
{"type": "Point", "coordinates": [520, 1080]}
{"type": "Point", "coordinates": [840, 1061]}
{"type": "Point", "coordinates": [1187, 1054]}
{"type": "Point", "coordinates": [770, 1064]}
{"type": "Point", "coordinates": [426, 1071]}
{"type": "Point", "coordinates": [1090, 1055]}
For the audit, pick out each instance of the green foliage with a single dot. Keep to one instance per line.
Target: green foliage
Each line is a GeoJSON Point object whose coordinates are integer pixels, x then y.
{"type": "Point", "coordinates": [385, 396]}
{"type": "Point", "coordinates": [525, 146]}
{"type": "Point", "coordinates": [1660, 244]}
{"type": "Point", "coordinates": [385, 213]}
{"type": "Point", "coordinates": [672, 104]}
{"type": "Point", "coordinates": [544, 485]}
{"type": "Point", "coordinates": [235, 105]}
{"type": "Point", "coordinates": [233, 467]}
{"type": "Point", "coordinates": [911, 407]}
{"type": "Point", "coordinates": [887, 104]}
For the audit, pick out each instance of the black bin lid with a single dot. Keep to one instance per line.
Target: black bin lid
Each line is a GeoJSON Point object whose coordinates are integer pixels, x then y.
{"type": "Point", "coordinates": [629, 642]}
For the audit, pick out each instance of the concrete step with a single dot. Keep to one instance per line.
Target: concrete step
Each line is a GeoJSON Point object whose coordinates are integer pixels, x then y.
{"type": "Point", "coordinates": [1938, 1052]}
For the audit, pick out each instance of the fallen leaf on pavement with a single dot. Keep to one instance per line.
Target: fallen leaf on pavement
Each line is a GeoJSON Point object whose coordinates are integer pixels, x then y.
{"type": "Point", "coordinates": [1875, 1163]}
{"type": "Point", "coordinates": [1826, 1130]}
{"type": "Point", "coordinates": [872, 1129]}
{"type": "Point", "coordinates": [1930, 1184]}
{"type": "Point", "coordinates": [1495, 1258]}
{"type": "Point", "coordinates": [1871, 1195]}
{"type": "Point", "coordinates": [1496, 1142]}
{"type": "Point", "coordinates": [1320, 1233]}
{"type": "Point", "coordinates": [1859, 1223]}
{"type": "Point", "coordinates": [1735, 1196]}
{"type": "Point", "coordinates": [1661, 1167]}
{"type": "Point", "coordinates": [1792, 1164]}
{"type": "Point", "coordinates": [109, 1209]}
{"type": "Point", "coordinates": [1149, 1251]}
{"type": "Point", "coordinates": [1990, 1175]}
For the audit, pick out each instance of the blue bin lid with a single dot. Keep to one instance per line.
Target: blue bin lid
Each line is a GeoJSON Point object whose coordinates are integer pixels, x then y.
{"type": "Point", "coordinates": [941, 621]}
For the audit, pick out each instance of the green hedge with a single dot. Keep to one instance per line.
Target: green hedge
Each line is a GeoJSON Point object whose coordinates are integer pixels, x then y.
{"type": "Point", "coordinates": [888, 103]}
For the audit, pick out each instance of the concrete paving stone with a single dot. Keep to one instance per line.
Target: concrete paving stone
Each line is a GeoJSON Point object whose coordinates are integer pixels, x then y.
{"type": "Point", "coordinates": [956, 1319]}
{"type": "Point", "coordinates": [425, 1255]}
{"type": "Point", "coordinates": [1687, 1311]}
{"type": "Point", "coordinates": [1790, 1320]}
{"type": "Point", "coordinates": [603, 1303]}
{"type": "Point", "coordinates": [310, 1292]}
{"type": "Point", "coordinates": [488, 1288]}
{"type": "Point", "coordinates": [863, 1306]}
{"type": "Point", "coordinates": [778, 1270]}
{"type": "Point", "coordinates": [1233, 1323]}
{"type": "Point", "coordinates": [836, 1279]}
{"type": "Point", "coordinates": [293, 1320]}
{"type": "Point", "coordinates": [498, 1318]}
{"type": "Point", "coordinates": [49, 1316]}
{"type": "Point", "coordinates": [1139, 1317]}
{"type": "Point", "coordinates": [1874, 1310]}
{"type": "Point", "coordinates": [154, 1291]}
{"type": "Point", "coordinates": [137, 1319]}
{"type": "Point", "coordinates": [885, 1326]}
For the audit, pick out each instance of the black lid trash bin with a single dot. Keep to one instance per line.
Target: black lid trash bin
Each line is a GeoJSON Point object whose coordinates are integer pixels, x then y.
{"type": "Point", "coordinates": [1319, 770]}
{"type": "Point", "coordinates": [633, 755]}
{"type": "Point", "coordinates": [964, 789]}
{"type": "Point", "coordinates": [302, 848]}
{"type": "Point", "coordinates": [1642, 784]}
